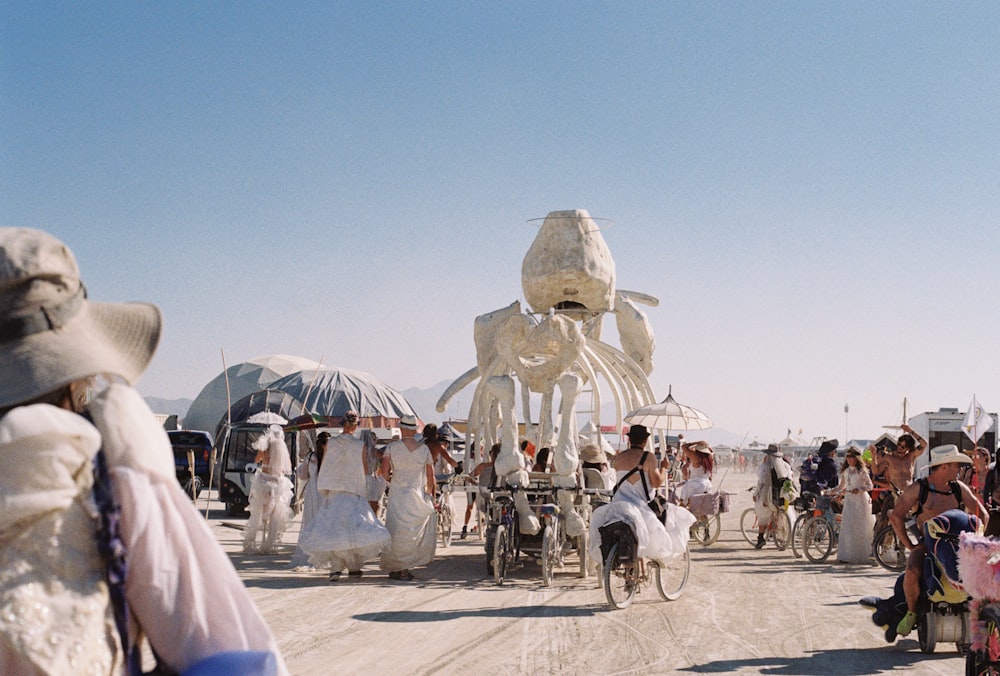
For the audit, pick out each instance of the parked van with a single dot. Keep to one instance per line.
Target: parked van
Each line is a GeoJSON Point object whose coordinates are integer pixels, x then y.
{"type": "Point", "coordinates": [237, 452]}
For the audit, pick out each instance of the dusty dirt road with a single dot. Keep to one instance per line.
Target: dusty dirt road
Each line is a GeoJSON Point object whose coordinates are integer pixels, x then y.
{"type": "Point", "coordinates": [743, 611]}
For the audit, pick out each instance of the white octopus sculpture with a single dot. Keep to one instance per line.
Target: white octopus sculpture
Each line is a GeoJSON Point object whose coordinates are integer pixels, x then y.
{"type": "Point", "coordinates": [568, 279]}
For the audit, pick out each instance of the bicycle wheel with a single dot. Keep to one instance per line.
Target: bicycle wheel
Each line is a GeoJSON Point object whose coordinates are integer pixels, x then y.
{"type": "Point", "coordinates": [501, 554]}
{"type": "Point", "coordinates": [817, 539]}
{"type": "Point", "coordinates": [706, 530]}
{"type": "Point", "coordinates": [490, 541]}
{"type": "Point", "coordinates": [619, 580]}
{"type": "Point", "coordinates": [748, 525]}
{"type": "Point", "coordinates": [796, 539]}
{"type": "Point", "coordinates": [446, 521]}
{"type": "Point", "coordinates": [888, 552]}
{"type": "Point", "coordinates": [672, 576]}
{"type": "Point", "coordinates": [781, 530]}
{"type": "Point", "coordinates": [550, 541]}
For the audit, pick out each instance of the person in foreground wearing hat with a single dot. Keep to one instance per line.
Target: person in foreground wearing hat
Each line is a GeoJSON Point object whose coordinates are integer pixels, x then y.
{"type": "Point", "coordinates": [657, 540]}
{"type": "Point", "coordinates": [270, 500]}
{"type": "Point", "coordinates": [935, 494]}
{"type": "Point", "coordinates": [772, 475]}
{"type": "Point", "coordinates": [857, 521]}
{"type": "Point", "coordinates": [308, 473]}
{"type": "Point", "coordinates": [344, 532]}
{"type": "Point", "coordinates": [99, 544]}
{"type": "Point", "coordinates": [410, 515]}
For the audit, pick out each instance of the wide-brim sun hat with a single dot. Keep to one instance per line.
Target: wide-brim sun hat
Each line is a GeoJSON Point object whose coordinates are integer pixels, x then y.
{"type": "Point", "coordinates": [593, 453]}
{"type": "Point", "coordinates": [942, 455]}
{"type": "Point", "coordinates": [50, 333]}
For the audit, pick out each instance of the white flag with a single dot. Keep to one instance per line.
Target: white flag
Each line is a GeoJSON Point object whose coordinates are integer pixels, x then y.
{"type": "Point", "coordinates": [977, 421]}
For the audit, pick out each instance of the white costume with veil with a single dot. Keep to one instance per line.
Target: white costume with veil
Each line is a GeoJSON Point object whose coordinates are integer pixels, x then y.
{"type": "Point", "coordinates": [270, 495]}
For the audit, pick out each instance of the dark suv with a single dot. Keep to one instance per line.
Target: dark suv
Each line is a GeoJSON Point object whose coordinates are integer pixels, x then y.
{"type": "Point", "coordinates": [200, 443]}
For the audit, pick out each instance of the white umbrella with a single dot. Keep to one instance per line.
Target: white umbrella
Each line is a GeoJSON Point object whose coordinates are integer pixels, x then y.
{"type": "Point", "coordinates": [669, 415]}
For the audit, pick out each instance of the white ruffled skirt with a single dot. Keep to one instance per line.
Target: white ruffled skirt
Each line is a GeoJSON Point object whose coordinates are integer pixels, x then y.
{"type": "Point", "coordinates": [270, 512]}
{"type": "Point", "coordinates": [343, 533]}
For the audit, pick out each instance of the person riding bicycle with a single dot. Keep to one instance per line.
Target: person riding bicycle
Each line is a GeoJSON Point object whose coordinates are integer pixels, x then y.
{"type": "Point", "coordinates": [772, 475]}
{"type": "Point", "coordinates": [700, 457]}
{"type": "Point", "coordinates": [937, 493]}
{"type": "Point", "coordinates": [638, 477]}
{"type": "Point", "coordinates": [820, 471]}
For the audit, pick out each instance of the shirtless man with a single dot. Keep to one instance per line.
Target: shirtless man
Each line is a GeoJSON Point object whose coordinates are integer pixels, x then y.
{"type": "Point", "coordinates": [898, 466]}
{"type": "Point", "coordinates": [944, 466]}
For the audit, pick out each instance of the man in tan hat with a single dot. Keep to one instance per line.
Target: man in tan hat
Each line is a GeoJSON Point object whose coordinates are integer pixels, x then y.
{"type": "Point", "coordinates": [87, 472]}
{"type": "Point", "coordinates": [937, 493]}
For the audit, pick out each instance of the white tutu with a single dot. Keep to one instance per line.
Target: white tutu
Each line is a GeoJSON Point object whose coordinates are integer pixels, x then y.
{"type": "Point", "coordinates": [270, 512]}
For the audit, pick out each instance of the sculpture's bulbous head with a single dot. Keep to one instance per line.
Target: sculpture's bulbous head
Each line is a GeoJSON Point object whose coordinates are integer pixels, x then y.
{"type": "Point", "coordinates": [569, 266]}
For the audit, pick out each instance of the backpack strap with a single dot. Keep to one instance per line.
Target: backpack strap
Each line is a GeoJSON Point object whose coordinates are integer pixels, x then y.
{"type": "Point", "coordinates": [642, 475]}
{"type": "Point", "coordinates": [925, 489]}
{"type": "Point", "coordinates": [111, 548]}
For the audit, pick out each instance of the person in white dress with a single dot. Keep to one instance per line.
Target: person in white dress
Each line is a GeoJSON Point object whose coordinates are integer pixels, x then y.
{"type": "Point", "coordinates": [772, 473]}
{"type": "Point", "coordinates": [857, 520]}
{"type": "Point", "coordinates": [410, 515]}
{"type": "Point", "coordinates": [700, 458]}
{"type": "Point", "coordinates": [270, 494]}
{"type": "Point", "coordinates": [308, 472]}
{"type": "Point", "coordinates": [658, 541]}
{"type": "Point", "coordinates": [89, 479]}
{"type": "Point", "coordinates": [343, 533]}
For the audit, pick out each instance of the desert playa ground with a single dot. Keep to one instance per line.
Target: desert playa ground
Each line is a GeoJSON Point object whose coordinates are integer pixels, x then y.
{"type": "Point", "coordinates": [743, 611]}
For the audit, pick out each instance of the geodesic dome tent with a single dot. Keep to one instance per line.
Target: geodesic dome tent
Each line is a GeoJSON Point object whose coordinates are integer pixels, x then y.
{"type": "Point", "coordinates": [333, 392]}
{"type": "Point", "coordinates": [245, 378]}
{"type": "Point", "coordinates": [271, 401]}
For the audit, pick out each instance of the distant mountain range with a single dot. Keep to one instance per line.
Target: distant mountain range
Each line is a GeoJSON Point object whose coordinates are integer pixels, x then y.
{"type": "Point", "coordinates": [424, 401]}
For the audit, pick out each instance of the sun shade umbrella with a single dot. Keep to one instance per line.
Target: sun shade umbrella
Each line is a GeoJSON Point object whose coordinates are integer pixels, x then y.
{"type": "Point", "coordinates": [669, 415]}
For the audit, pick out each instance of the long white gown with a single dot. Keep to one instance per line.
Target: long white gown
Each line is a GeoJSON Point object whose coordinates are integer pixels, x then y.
{"type": "Point", "coordinates": [410, 515]}
{"type": "Point", "coordinates": [857, 520]}
{"type": "Point", "coordinates": [306, 472]}
{"type": "Point", "coordinates": [343, 533]}
{"type": "Point", "coordinates": [699, 481]}
{"type": "Point", "coordinates": [657, 541]}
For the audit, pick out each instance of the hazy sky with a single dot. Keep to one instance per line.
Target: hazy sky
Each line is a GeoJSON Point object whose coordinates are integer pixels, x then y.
{"type": "Point", "coordinates": [811, 189]}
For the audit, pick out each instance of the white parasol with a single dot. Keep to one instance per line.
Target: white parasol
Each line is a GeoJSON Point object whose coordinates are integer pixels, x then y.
{"type": "Point", "coordinates": [669, 415]}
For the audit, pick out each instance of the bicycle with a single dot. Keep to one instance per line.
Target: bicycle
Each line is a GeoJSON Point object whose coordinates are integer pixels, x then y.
{"type": "Point", "coordinates": [778, 530]}
{"type": "Point", "coordinates": [623, 574]}
{"type": "Point", "coordinates": [707, 508]}
{"type": "Point", "coordinates": [821, 531]}
{"type": "Point", "coordinates": [444, 508]}
{"type": "Point", "coordinates": [886, 547]}
{"type": "Point", "coordinates": [502, 537]}
{"type": "Point", "coordinates": [803, 506]}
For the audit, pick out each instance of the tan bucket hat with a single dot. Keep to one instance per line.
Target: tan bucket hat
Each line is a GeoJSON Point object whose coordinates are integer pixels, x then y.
{"type": "Point", "coordinates": [50, 334]}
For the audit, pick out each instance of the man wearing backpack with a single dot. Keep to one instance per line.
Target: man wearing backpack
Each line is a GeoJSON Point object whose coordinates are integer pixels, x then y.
{"type": "Point", "coordinates": [820, 471]}
{"type": "Point", "coordinates": [937, 493]}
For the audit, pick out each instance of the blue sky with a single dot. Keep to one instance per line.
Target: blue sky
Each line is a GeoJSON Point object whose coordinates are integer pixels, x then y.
{"type": "Point", "coordinates": [811, 189]}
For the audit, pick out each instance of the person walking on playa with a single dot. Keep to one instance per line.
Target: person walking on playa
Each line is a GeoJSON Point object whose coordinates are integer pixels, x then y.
{"type": "Point", "coordinates": [410, 515]}
{"type": "Point", "coordinates": [270, 493]}
{"type": "Point", "coordinates": [344, 533]}
{"type": "Point", "coordinates": [308, 471]}
{"type": "Point", "coordinates": [99, 545]}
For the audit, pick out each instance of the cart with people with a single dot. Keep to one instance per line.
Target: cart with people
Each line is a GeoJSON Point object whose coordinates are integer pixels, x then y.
{"type": "Point", "coordinates": [505, 543]}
